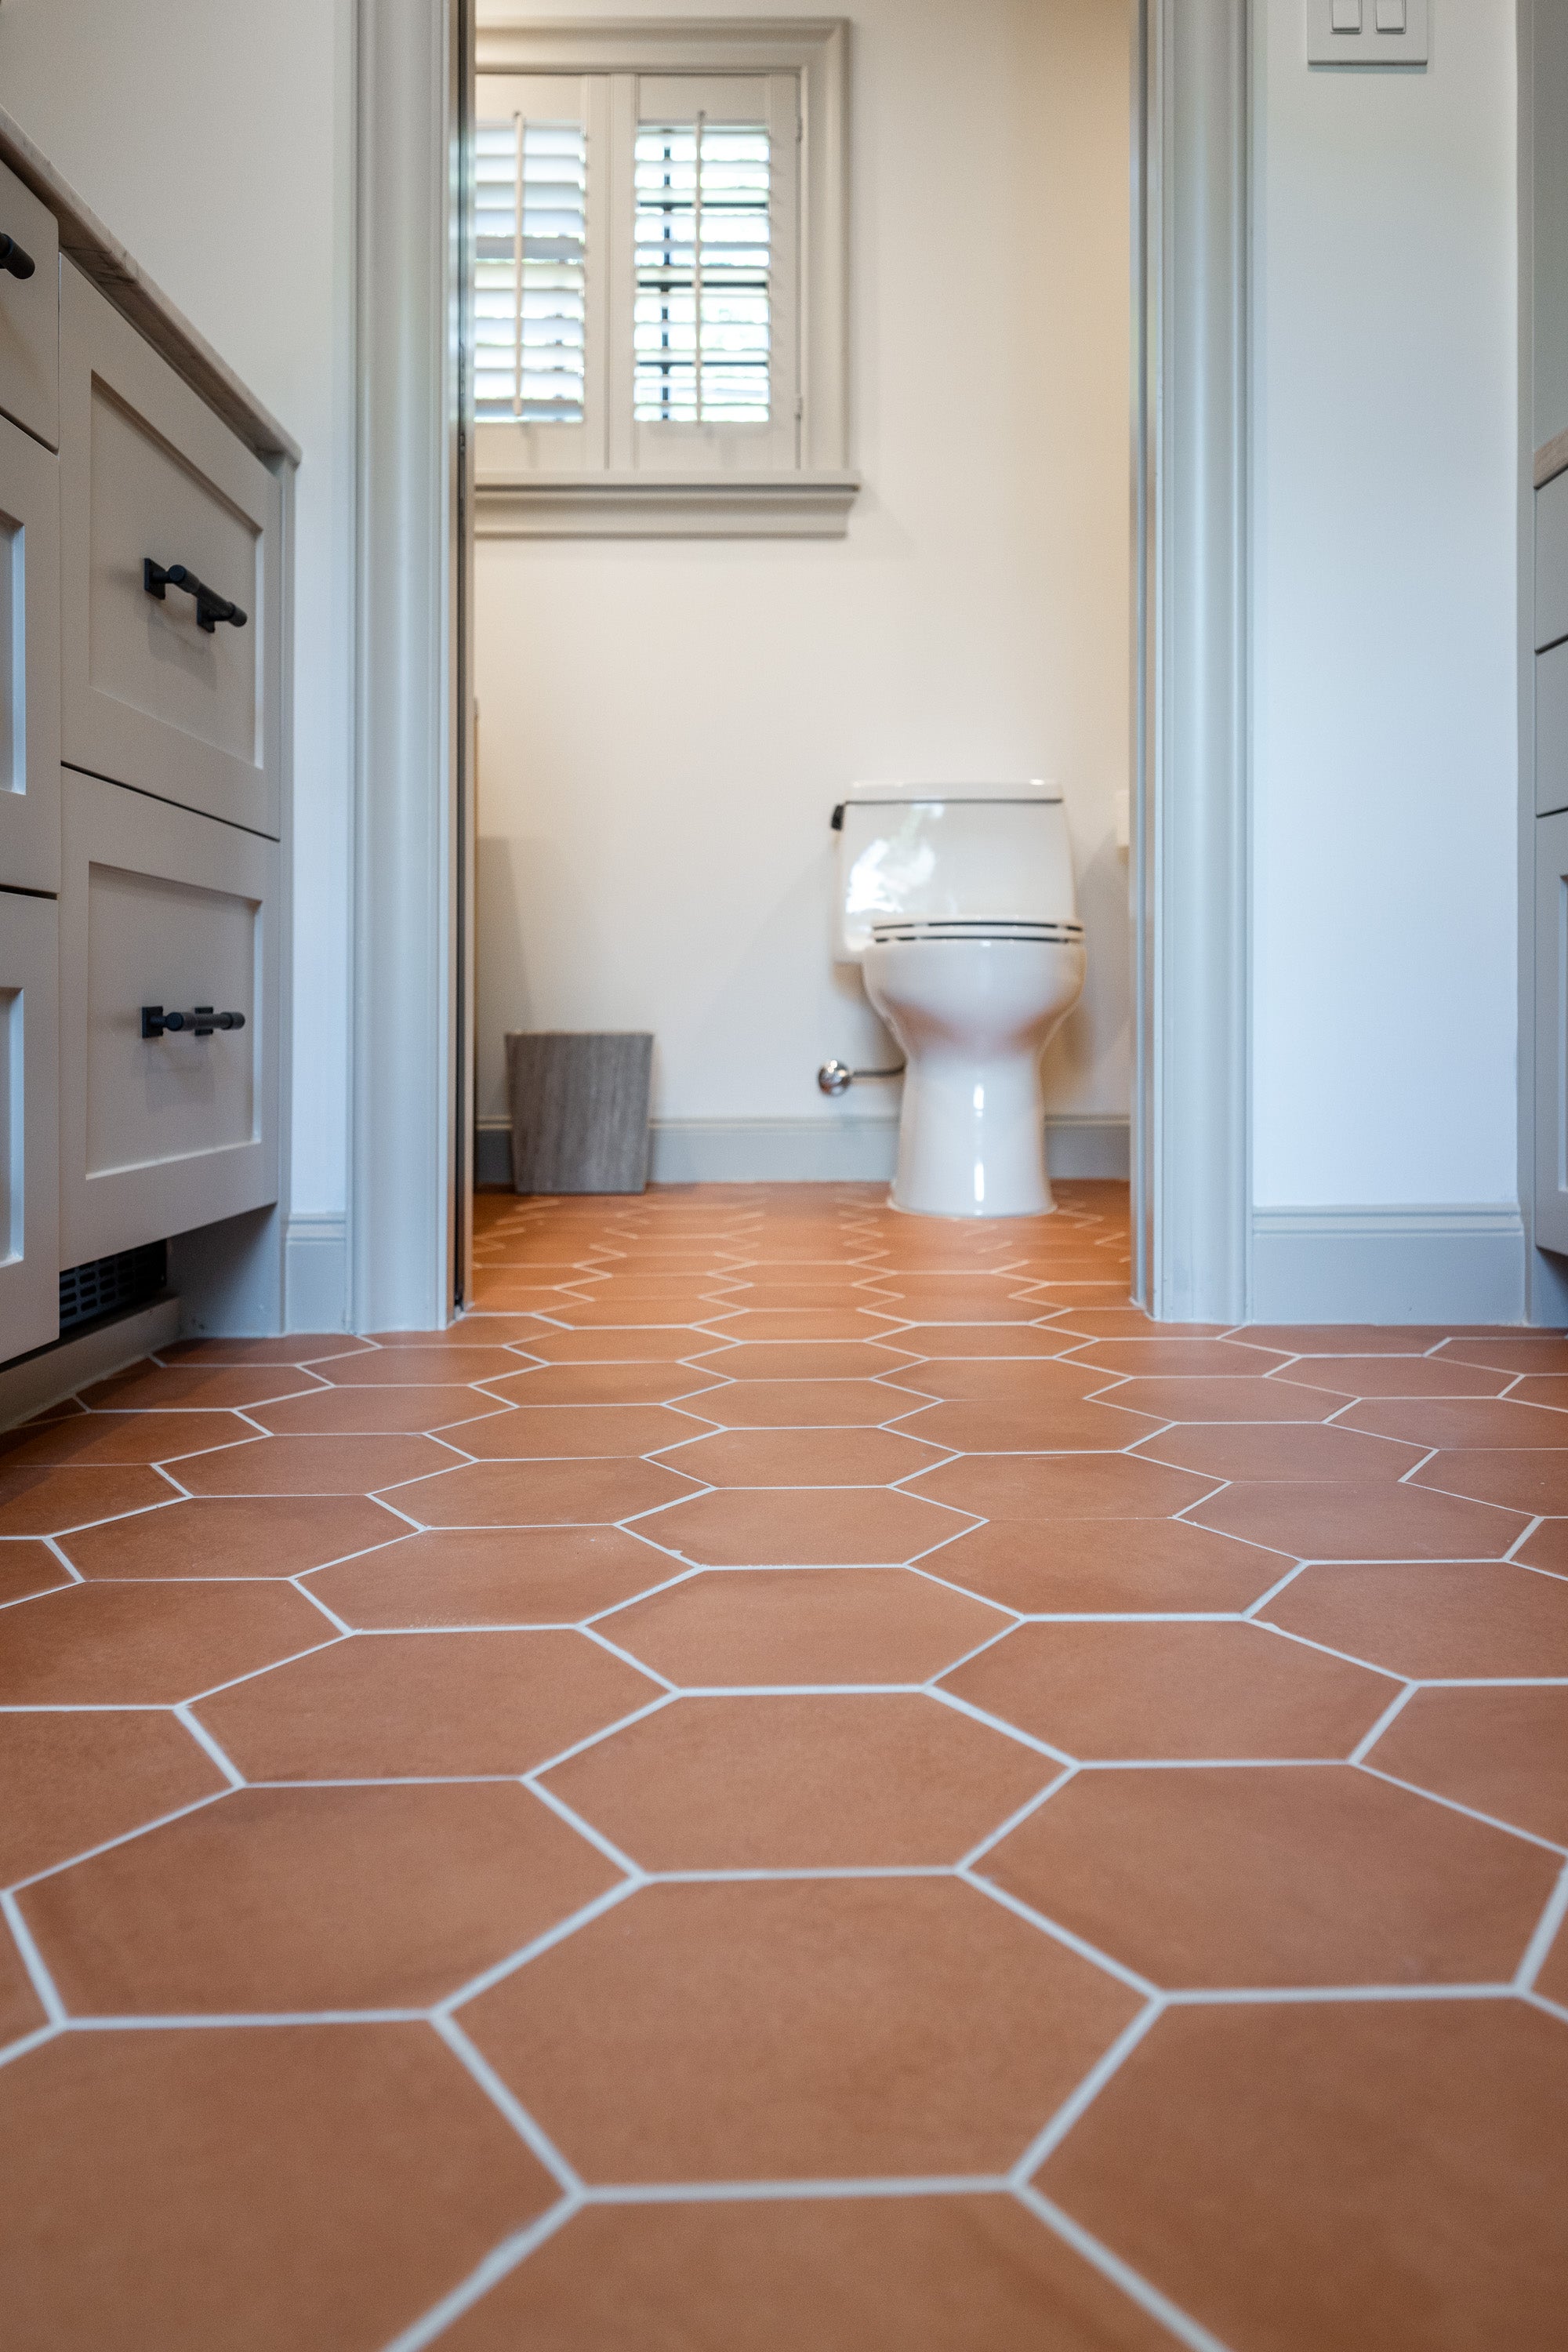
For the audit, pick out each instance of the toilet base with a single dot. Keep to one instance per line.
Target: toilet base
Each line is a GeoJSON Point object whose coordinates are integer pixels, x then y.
{"type": "Point", "coordinates": [971, 1141]}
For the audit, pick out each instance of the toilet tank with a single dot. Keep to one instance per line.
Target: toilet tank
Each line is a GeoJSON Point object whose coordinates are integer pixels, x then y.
{"type": "Point", "coordinates": [991, 853]}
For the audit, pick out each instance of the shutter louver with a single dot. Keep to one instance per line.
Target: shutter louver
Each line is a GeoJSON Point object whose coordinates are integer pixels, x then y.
{"type": "Point", "coordinates": [702, 320]}
{"type": "Point", "coordinates": [531, 271]}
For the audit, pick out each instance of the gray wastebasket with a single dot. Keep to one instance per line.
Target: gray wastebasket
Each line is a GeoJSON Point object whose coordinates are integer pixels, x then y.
{"type": "Point", "coordinates": [579, 1109]}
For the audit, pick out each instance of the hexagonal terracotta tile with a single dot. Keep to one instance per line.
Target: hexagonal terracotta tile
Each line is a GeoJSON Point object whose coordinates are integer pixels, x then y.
{"type": "Point", "coordinates": [75, 1780]}
{"type": "Point", "coordinates": [628, 1347]}
{"type": "Point", "coordinates": [784, 1404]}
{"type": "Point", "coordinates": [389, 1411]}
{"type": "Point", "coordinates": [527, 1433]}
{"type": "Point", "coordinates": [1399, 1376]}
{"type": "Point", "coordinates": [233, 1536]}
{"type": "Point", "coordinates": [1156, 1358]}
{"type": "Point", "coordinates": [493, 1575]}
{"type": "Point", "coordinates": [1008, 1383]}
{"type": "Point", "coordinates": [419, 1367]}
{"type": "Point", "coordinates": [300, 1899]}
{"type": "Point", "coordinates": [1359, 2173]}
{"type": "Point", "coordinates": [727, 1629]}
{"type": "Point", "coordinates": [1317, 1874]}
{"type": "Point", "coordinates": [49, 1502]}
{"type": "Point", "coordinates": [1538, 1353]}
{"type": "Point", "coordinates": [149, 1644]}
{"type": "Point", "coordinates": [403, 1706]}
{"type": "Point", "coordinates": [763, 1324]}
{"type": "Point", "coordinates": [826, 1359]}
{"type": "Point", "coordinates": [1275, 1399]}
{"type": "Point", "coordinates": [1504, 1752]}
{"type": "Point", "coordinates": [1434, 1620]}
{"type": "Point", "coordinates": [27, 1568]}
{"type": "Point", "coordinates": [1175, 1691]}
{"type": "Point", "coordinates": [1344, 1339]}
{"type": "Point", "coordinates": [800, 1783]}
{"type": "Point", "coordinates": [947, 1343]}
{"type": "Point", "coordinates": [1263, 1453]}
{"type": "Point", "coordinates": [1023, 1428]}
{"type": "Point", "coordinates": [1040, 1488]}
{"type": "Point", "coordinates": [83, 1438]}
{"type": "Point", "coordinates": [816, 2029]}
{"type": "Point", "coordinates": [803, 1457]}
{"type": "Point", "coordinates": [311, 1466]}
{"type": "Point", "coordinates": [1522, 1479]}
{"type": "Point", "coordinates": [958, 1297]}
{"type": "Point", "coordinates": [370, 2174]}
{"type": "Point", "coordinates": [1462, 1421]}
{"type": "Point", "coordinates": [150, 1387]}
{"type": "Point", "coordinates": [1109, 1566]}
{"type": "Point", "coordinates": [599, 1384]}
{"type": "Point", "coordinates": [1309, 1521]}
{"type": "Point", "coordinates": [588, 1491]}
{"type": "Point", "coordinates": [841, 2274]}
{"type": "Point", "coordinates": [296, 1348]}
{"type": "Point", "coordinates": [802, 1526]}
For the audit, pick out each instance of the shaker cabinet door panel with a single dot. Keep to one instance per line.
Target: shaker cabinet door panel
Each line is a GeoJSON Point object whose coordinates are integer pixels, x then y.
{"type": "Point", "coordinates": [29, 1129]}
{"type": "Point", "coordinates": [164, 1125]}
{"type": "Point", "coordinates": [29, 664]}
{"type": "Point", "coordinates": [30, 313]}
{"type": "Point", "coordinates": [171, 533]}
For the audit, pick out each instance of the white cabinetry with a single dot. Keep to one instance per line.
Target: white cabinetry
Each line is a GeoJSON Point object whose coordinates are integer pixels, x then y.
{"type": "Point", "coordinates": [143, 766]}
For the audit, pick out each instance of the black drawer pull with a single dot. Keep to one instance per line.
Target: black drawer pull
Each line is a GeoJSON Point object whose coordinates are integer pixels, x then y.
{"type": "Point", "coordinates": [211, 608]}
{"type": "Point", "coordinates": [201, 1020]}
{"type": "Point", "coordinates": [13, 258]}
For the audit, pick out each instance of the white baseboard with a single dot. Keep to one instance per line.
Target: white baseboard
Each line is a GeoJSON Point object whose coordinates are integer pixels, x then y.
{"type": "Point", "coordinates": [56, 1372]}
{"type": "Point", "coordinates": [809, 1150]}
{"type": "Point", "coordinates": [315, 1276]}
{"type": "Point", "coordinates": [1403, 1263]}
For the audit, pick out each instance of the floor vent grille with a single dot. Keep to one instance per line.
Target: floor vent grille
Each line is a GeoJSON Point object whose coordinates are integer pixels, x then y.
{"type": "Point", "coordinates": [107, 1285]}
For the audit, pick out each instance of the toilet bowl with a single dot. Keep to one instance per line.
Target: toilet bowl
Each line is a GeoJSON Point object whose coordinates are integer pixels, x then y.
{"type": "Point", "coordinates": [958, 904]}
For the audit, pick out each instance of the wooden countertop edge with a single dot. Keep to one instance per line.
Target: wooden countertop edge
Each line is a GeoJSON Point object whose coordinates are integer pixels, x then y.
{"type": "Point", "coordinates": [101, 256]}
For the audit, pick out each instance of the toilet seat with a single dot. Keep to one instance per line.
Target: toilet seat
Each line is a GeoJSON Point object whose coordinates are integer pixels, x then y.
{"type": "Point", "coordinates": [974, 930]}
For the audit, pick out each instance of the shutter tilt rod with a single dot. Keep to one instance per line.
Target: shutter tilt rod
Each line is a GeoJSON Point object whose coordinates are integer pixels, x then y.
{"type": "Point", "coordinates": [838, 1078]}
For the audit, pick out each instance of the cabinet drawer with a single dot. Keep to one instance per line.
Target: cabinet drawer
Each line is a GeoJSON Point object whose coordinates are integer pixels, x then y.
{"type": "Point", "coordinates": [29, 1129]}
{"type": "Point", "coordinates": [158, 692]}
{"type": "Point", "coordinates": [29, 664]}
{"type": "Point", "coordinates": [162, 908]}
{"type": "Point", "coordinates": [30, 314]}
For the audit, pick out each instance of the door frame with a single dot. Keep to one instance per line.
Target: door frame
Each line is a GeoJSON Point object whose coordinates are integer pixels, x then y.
{"type": "Point", "coordinates": [410, 1118]}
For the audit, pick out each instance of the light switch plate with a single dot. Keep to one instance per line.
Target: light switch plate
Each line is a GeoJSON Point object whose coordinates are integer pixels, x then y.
{"type": "Point", "coordinates": [1369, 47]}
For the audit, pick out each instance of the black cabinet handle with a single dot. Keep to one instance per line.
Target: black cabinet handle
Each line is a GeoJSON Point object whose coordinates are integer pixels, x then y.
{"type": "Point", "coordinates": [13, 258]}
{"type": "Point", "coordinates": [201, 1020]}
{"type": "Point", "coordinates": [211, 608]}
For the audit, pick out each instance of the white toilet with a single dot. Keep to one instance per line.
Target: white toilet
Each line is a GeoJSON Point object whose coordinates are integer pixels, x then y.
{"type": "Point", "coordinates": [957, 902]}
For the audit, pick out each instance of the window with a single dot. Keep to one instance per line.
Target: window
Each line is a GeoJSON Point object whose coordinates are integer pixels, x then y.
{"type": "Point", "coordinates": [658, 280]}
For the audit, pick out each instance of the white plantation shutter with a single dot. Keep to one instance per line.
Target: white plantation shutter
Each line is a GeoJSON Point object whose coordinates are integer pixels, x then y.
{"type": "Point", "coordinates": [531, 202]}
{"type": "Point", "coordinates": [702, 303]}
{"type": "Point", "coordinates": [640, 278]}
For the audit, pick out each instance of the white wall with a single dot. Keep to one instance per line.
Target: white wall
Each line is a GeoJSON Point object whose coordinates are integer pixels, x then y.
{"type": "Point", "coordinates": [1385, 810]}
{"type": "Point", "coordinates": [215, 137]}
{"type": "Point", "coordinates": [665, 726]}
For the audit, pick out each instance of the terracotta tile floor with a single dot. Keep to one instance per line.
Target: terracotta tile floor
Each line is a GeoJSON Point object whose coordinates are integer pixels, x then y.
{"type": "Point", "coordinates": [803, 1781]}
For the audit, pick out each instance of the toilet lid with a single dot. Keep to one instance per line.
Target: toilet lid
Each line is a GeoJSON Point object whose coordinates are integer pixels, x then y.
{"type": "Point", "coordinates": [975, 927]}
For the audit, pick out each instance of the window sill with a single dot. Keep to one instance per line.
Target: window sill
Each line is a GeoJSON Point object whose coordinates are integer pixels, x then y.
{"type": "Point", "coordinates": [666, 506]}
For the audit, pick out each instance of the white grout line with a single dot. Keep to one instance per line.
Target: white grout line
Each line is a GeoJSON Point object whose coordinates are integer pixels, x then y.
{"type": "Point", "coordinates": [1256, 1996]}
{"type": "Point", "coordinates": [996, 1723]}
{"type": "Point", "coordinates": [1054, 2132]}
{"type": "Point", "coordinates": [1545, 1936]}
{"type": "Point", "coordinates": [42, 1984]}
{"type": "Point", "coordinates": [751, 2192]}
{"type": "Point", "coordinates": [993, 1838]}
{"type": "Point", "coordinates": [498, 1970]}
{"type": "Point", "coordinates": [124, 1837]}
{"type": "Point", "coordinates": [584, 1828]}
{"type": "Point", "coordinates": [205, 1740]}
{"type": "Point", "coordinates": [603, 1642]}
{"type": "Point", "coordinates": [1133, 2285]}
{"type": "Point", "coordinates": [1453, 1804]}
{"type": "Point", "coordinates": [1073, 1942]}
{"type": "Point", "coordinates": [1370, 1738]}
{"type": "Point", "coordinates": [497, 2265]}
{"type": "Point", "coordinates": [479, 2066]}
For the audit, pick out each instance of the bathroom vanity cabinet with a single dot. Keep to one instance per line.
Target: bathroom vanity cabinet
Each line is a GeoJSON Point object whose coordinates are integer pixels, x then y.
{"type": "Point", "coordinates": [145, 503]}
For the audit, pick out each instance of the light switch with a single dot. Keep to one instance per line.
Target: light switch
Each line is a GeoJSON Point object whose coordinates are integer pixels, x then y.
{"type": "Point", "coordinates": [1376, 33]}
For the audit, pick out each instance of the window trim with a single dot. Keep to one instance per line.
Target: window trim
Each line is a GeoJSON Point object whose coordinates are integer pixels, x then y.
{"type": "Point", "coordinates": [813, 497]}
